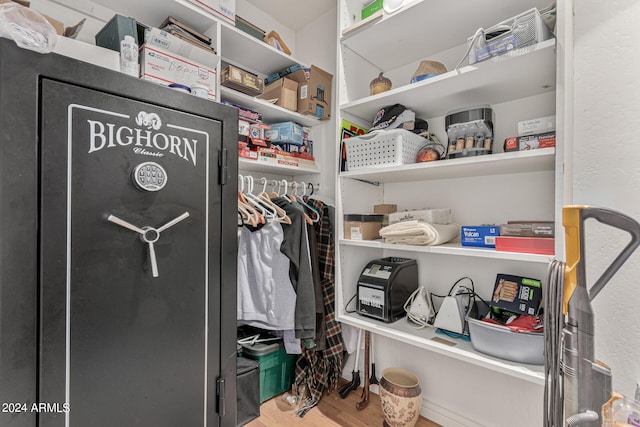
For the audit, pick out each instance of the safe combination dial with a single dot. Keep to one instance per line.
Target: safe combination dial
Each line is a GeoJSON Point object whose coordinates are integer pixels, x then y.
{"type": "Point", "coordinates": [149, 176]}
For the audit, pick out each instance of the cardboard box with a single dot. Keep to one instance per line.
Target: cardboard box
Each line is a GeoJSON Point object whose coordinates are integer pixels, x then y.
{"type": "Point", "coordinates": [430, 215]}
{"type": "Point", "coordinates": [241, 80]}
{"type": "Point", "coordinates": [156, 37]}
{"type": "Point", "coordinates": [285, 132]}
{"type": "Point", "coordinates": [243, 128]}
{"type": "Point", "coordinates": [225, 9]}
{"type": "Point", "coordinates": [385, 209]}
{"type": "Point", "coordinates": [362, 227]}
{"type": "Point", "coordinates": [530, 142]}
{"type": "Point", "coordinates": [247, 152]}
{"type": "Point", "coordinates": [165, 68]}
{"type": "Point", "coordinates": [520, 295]}
{"type": "Point", "coordinates": [536, 126]}
{"type": "Point", "coordinates": [279, 74]}
{"type": "Point", "coordinates": [314, 91]}
{"type": "Point", "coordinates": [481, 236]}
{"type": "Point", "coordinates": [285, 91]}
{"type": "Point", "coordinates": [273, 157]}
{"type": "Point", "coordinates": [245, 113]}
{"type": "Point", "coordinates": [526, 245]}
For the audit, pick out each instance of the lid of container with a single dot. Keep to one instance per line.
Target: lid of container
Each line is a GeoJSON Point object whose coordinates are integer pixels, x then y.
{"type": "Point", "coordinates": [262, 348]}
{"type": "Point", "coordinates": [364, 217]}
{"type": "Point", "coordinates": [244, 365]}
{"type": "Point", "coordinates": [178, 86]}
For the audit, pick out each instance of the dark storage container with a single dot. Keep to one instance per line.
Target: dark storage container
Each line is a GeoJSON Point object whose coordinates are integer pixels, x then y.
{"type": "Point", "coordinates": [248, 386]}
{"type": "Point", "coordinates": [114, 31]}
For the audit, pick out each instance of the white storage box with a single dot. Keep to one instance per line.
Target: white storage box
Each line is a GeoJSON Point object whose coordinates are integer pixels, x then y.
{"type": "Point", "coordinates": [165, 68]}
{"type": "Point", "coordinates": [522, 30]}
{"type": "Point", "coordinates": [432, 216]}
{"type": "Point", "coordinates": [383, 148]}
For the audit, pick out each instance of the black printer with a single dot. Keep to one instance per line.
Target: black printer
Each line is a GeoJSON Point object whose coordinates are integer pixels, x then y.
{"type": "Point", "coordinates": [384, 286]}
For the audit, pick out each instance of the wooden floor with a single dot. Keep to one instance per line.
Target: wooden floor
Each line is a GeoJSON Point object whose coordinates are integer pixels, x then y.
{"type": "Point", "coordinates": [331, 411]}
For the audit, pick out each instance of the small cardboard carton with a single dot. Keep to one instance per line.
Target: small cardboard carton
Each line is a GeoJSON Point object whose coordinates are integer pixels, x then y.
{"type": "Point", "coordinates": [165, 68]}
{"type": "Point", "coordinates": [285, 91]}
{"type": "Point", "coordinates": [162, 39]}
{"type": "Point", "coordinates": [285, 132]}
{"type": "Point", "coordinates": [385, 208]}
{"type": "Point", "coordinates": [362, 227]}
{"type": "Point", "coordinates": [521, 295]}
{"type": "Point", "coordinates": [314, 91]}
{"type": "Point", "coordinates": [241, 80]}
{"type": "Point", "coordinates": [480, 235]}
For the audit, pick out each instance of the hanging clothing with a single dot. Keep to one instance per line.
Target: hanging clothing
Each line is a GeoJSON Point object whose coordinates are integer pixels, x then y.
{"type": "Point", "coordinates": [296, 247]}
{"type": "Point", "coordinates": [319, 341]}
{"type": "Point", "coordinates": [266, 298]}
{"type": "Point", "coordinates": [320, 370]}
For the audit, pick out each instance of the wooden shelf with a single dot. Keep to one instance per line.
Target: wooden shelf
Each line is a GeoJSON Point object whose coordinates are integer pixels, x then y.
{"type": "Point", "coordinates": [270, 113]}
{"type": "Point", "coordinates": [263, 167]}
{"type": "Point", "coordinates": [450, 249]}
{"type": "Point", "coordinates": [521, 73]}
{"type": "Point", "coordinates": [491, 164]}
{"type": "Point", "coordinates": [425, 27]}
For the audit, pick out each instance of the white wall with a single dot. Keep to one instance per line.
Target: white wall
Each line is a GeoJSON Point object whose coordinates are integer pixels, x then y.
{"type": "Point", "coordinates": [605, 168]}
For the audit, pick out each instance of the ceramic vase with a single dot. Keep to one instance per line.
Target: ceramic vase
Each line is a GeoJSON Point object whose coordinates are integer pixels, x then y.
{"type": "Point", "coordinates": [401, 397]}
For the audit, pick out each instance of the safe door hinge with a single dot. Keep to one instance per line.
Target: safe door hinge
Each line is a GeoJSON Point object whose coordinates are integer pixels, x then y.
{"type": "Point", "coordinates": [223, 166]}
{"type": "Point", "coordinates": [220, 392]}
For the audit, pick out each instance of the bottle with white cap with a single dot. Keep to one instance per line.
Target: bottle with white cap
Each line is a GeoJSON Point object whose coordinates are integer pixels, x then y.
{"type": "Point", "coordinates": [129, 56]}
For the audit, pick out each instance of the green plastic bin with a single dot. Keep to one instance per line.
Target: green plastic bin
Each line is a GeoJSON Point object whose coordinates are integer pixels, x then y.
{"type": "Point", "coordinates": [276, 367]}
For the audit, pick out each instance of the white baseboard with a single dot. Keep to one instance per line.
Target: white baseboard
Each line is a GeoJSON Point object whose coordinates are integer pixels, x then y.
{"type": "Point", "coordinates": [443, 416]}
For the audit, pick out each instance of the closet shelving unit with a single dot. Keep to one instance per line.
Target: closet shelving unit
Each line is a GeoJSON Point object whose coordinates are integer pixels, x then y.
{"type": "Point", "coordinates": [484, 189]}
{"type": "Point", "coordinates": [237, 48]}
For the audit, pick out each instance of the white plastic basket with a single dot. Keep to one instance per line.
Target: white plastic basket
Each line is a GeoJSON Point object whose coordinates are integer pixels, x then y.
{"type": "Point", "coordinates": [383, 148]}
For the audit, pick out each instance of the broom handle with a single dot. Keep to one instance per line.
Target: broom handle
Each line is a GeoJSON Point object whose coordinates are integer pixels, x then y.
{"type": "Point", "coordinates": [355, 368]}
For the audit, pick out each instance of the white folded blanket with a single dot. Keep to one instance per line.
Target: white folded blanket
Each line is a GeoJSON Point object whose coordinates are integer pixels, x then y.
{"type": "Point", "coordinates": [419, 233]}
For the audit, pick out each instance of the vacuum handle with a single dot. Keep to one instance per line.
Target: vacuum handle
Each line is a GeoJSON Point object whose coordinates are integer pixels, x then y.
{"type": "Point", "coordinates": [622, 222]}
{"type": "Point", "coordinates": [573, 218]}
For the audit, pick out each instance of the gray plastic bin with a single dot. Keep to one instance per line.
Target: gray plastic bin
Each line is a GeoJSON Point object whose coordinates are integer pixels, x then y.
{"type": "Point", "coordinates": [502, 342]}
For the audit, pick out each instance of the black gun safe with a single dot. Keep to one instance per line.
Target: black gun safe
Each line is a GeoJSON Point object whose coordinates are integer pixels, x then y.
{"type": "Point", "coordinates": [117, 249]}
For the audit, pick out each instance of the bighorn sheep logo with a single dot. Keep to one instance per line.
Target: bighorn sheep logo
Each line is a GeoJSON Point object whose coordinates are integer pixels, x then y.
{"type": "Point", "coordinates": [149, 120]}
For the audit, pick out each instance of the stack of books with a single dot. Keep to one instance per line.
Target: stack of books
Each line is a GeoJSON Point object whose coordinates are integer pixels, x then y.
{"type": "Point", "coordinates": [177, 28]}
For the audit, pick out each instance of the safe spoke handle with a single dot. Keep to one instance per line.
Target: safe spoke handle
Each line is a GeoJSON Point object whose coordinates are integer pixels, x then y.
{"type": "Point", "coordinates": [124, 224]}
{"type": "Point", "coordinates": [149, 235]}
{"type": "Point", "coordinates": [173, 222]}
{"type": "Point", "coordinates": [154, 263]}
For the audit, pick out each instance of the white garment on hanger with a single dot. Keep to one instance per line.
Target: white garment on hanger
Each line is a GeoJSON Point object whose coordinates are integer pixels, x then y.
{"type": "Point", "coordinates": [266, 298]}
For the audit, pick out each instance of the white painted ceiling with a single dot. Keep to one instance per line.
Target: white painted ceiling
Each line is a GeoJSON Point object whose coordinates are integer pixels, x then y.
{"type": "Point", "coordinates": [294, 14]}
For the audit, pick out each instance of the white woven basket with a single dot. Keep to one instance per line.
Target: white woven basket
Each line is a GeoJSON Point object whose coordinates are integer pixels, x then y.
{"type": "Point", "coordinates": [383, 148]}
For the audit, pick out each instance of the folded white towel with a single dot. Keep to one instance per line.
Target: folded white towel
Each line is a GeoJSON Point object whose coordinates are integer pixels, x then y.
{"type": "Point", "coordinates": [419, 233]}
